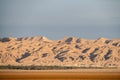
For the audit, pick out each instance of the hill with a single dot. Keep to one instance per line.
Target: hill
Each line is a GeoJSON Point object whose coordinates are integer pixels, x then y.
{"type": "Point", "coordinates": [69, 51]}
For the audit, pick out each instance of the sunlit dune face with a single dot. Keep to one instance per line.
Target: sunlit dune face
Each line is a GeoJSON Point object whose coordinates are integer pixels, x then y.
{"type": "Point", "coordinates": [69, 51]}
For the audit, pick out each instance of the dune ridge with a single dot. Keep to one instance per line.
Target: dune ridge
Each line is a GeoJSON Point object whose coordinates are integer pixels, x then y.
{"type": "Point", "coordinates": [69, 51]}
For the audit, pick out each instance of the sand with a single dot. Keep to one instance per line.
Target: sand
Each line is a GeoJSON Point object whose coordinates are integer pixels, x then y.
{"type": "Point", "coordinates": [59, 74]}
{"type": "Point", "coordinates": [69, 51]}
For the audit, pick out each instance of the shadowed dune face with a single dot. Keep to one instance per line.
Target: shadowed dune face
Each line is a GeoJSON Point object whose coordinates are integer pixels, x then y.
{"type": "Point", "coordinates": [69, 51]}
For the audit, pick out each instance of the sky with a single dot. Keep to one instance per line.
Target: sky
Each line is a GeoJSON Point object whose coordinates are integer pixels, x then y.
{"type": "Point", "coordinates": [56, 19]}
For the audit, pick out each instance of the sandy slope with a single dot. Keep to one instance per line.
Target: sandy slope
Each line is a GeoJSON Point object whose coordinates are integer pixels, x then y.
{"type": "Point", "coordinates": [69, 51]}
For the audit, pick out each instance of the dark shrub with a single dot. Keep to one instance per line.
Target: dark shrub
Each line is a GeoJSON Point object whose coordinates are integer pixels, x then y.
{"type": "Point", "coordinates": [6, 39]}
{"type": "Point", "coordinates": [85, 50]}
{"type": "Point", "coordinates": [19, 39]}
{"type": "Point", "coordinates": [26, 54]}
{"type": "Point", "coordinates": [69, 40]}
{"type": "Point", "coordinates": [44, 55]}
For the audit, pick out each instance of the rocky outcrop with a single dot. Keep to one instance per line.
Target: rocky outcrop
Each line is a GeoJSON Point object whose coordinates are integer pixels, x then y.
{"type": "Point", "coordinates": [69, 51]}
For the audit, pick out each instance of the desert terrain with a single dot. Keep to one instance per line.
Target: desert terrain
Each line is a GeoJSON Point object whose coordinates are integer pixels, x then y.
{"type": "Point", "coordinates": [70, 58]}
{"type": "Point", "coordinates": [69, 51]}
{"type": "Point", "coordinates": [88, 74]}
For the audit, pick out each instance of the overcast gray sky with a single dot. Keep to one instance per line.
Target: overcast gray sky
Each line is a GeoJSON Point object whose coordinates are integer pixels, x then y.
{"type": "Point", "coordinates": [56, 19]}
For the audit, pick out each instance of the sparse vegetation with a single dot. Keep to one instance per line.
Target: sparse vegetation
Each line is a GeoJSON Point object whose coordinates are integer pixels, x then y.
{"type": "Point", "coordinates": [6, 39]}
{"type": "Point", "coordinates": [69, 51]}
{"type": "Point", "coordinates": [51, 67]}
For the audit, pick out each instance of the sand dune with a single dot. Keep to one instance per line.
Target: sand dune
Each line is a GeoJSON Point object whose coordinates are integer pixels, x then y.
{"type": "Point", "coordinates": [69, 51]}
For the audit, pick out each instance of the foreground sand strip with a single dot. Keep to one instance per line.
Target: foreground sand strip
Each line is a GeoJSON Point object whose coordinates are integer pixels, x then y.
{"type": "Point", "coordinates": [63, 75]}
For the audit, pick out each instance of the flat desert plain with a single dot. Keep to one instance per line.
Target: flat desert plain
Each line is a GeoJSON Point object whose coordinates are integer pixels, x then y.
{"type": "Point", "coordinates": [85, 74]}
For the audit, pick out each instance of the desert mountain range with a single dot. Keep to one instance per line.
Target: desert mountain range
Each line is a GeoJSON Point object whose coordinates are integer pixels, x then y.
{"type": "Point", "coordinates": [69, 51]}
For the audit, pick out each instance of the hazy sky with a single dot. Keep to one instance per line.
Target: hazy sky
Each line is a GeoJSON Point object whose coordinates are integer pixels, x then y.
{"type": "Point", "coordinates": [58, 18]}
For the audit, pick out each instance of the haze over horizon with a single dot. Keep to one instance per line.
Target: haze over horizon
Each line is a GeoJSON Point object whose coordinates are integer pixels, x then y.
{"type": "Point", "coordinates": [56, 19]}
